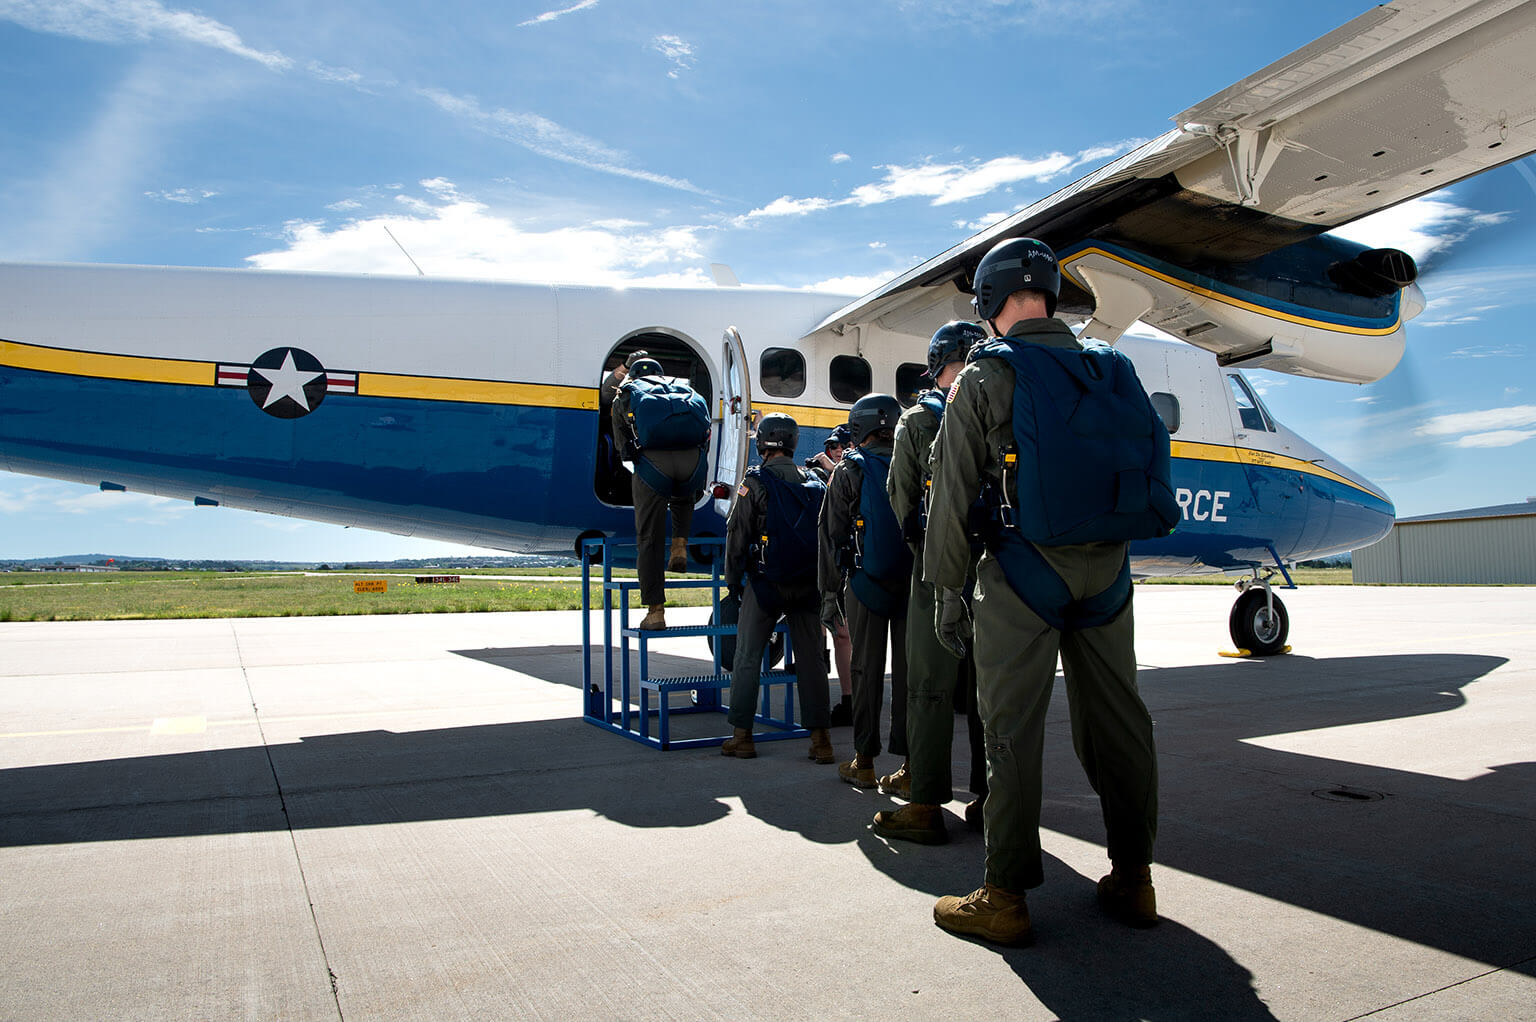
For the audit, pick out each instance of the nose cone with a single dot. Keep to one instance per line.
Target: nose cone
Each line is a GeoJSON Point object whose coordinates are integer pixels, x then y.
{"type": "Point", "coordinates": [1412, 300]}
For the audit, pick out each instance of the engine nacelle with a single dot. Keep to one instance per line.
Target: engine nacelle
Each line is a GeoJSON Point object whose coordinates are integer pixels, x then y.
{"type": "Point", "coordinates": [1324, 307]}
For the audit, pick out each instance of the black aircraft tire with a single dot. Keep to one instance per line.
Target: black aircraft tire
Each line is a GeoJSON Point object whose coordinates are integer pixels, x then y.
{"type": "Point", "coordinates": [729, 610]}
{"type": "Point", "coordinates": [1253, 628]}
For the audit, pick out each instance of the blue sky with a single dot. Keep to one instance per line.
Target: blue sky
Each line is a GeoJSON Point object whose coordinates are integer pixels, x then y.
{"type": "Point", "coordinates": [802, 143]}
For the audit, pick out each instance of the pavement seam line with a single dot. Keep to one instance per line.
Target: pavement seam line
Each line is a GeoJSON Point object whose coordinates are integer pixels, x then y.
{"type": "Point", "coordinates": [1443, 989]}
{"type": "Point", "coordinates": [293, 841]}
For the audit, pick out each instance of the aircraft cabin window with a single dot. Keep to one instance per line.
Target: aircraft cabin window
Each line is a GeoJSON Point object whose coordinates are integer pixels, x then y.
{"type": "Point", "coordinates": [910, 383]}
{"type": "Point", "coordinates": [1247, 405]}
{"type": "Point", "coordinates": [1167, 407]}
{"type": "Point", "coordinates": [850, 378]}
{"type": "Point", "coordinates": [781, 372]}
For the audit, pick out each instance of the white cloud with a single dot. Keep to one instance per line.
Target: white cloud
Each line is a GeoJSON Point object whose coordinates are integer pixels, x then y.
{"type": "Point", "coordinates": [853, 285]}
{"type": "Point", "coordinates": [545, 137]}
{"type": "Point", "coordinates": [184, 196]}
{"type": "Point", "coordinates": [452, 235]}
{"type": "Point", "coordinates": [676, 50]}
{"type": "Point", "coordinates": [119, 21]}
{"type": "Point", "coordinates": [1497, 438]}
{"type": "Point", "coordinates": [944, 183]}
{"type": "Point", "coordinates": [841, 157]}
{"type": "Point", "coordinates": [549, 16]}
{"type": "Point", "coordinates": [1476, 422]}
{"type": "Point", "coordinates": [1489, 351]}
{"type": "Point", "coordinates": [1420, 227]}
{"type": "Point", "coordinates": [982, 222]}
{"type": "Point", "coordinates": [786, 206]}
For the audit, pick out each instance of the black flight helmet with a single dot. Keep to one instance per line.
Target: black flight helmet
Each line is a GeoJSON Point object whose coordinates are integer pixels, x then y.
{"type": "Point", "coordinates": [777, 432]}
{"type": "Point", "coordinates": [952, 343]}
{"type": "Point", "coordinates": [1014, 265]}
{"type": "Point", "coordinates": [645, 367]}
{"type": "Point", "coordinates": [872, 412]}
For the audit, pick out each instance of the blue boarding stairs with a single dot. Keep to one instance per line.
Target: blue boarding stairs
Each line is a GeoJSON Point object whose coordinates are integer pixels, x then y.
{"type": "Point", "coordinates": [622, 702]}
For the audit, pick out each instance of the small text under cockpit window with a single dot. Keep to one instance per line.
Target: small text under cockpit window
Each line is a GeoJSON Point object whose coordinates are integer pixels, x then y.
{"type": "Point", "coordinates": [1248, 409]}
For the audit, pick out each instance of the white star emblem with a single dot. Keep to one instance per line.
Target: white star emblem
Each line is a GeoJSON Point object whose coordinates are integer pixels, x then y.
{"type": "Point", "coordinates": [288, 380]}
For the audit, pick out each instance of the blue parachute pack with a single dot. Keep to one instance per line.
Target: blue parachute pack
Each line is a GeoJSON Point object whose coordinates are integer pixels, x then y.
{"type": "Point", "coordinates": [666, 414]}
{"type": "Point", "coordinates": [786, 548]}
{"type": "Point", "coordinates": [883, 562]}
{"type": "Point", "coordinates": [1089, 462]}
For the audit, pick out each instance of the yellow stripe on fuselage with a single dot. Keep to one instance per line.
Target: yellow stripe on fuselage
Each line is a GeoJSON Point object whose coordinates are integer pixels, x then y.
{"type": "Point", "coordinates": [1265, 459]}
{"type": "Point", "coordinates": [1236, 303]}
{"type": "Point", "coordinates": [138, 368]}
{"type": "Point", "coordinates": [485, 392]}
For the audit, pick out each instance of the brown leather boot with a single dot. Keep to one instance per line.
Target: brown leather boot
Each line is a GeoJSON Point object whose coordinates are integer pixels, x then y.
{"type": "Point", "coordinates": [898, 784]}
{"type": "Point", "coordinates": [913, 822]}
{"type": "Point", "coordinates": [988, 912]}
{"type": "Point", "coordinates": [1127, 894]}
{"type": "Point", "coordinates": [858, 771]}
{"type": "Point", "coordinates": [679, 560]}
{"type": "Point", "coordinates": [740, 745]}
{"type": "Point", "coordinates": [655, 619]}
{"type": "Point", "coordinates": [821, 746]}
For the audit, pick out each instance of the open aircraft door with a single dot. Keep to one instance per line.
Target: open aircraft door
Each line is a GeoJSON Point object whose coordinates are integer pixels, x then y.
{"type": "Point", "coordinates": [736, 421]}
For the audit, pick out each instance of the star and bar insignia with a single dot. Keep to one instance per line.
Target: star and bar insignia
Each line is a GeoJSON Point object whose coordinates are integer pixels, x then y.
{"type": "Point", "coordinates": [287, 382]}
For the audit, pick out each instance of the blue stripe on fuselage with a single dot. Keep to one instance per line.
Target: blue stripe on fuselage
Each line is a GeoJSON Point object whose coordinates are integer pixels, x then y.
{"type": "Point", "coordinates": [505, 476]}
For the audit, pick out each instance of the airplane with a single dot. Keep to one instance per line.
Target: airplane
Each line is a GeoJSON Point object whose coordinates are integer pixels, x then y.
{"type": "Point", "coordinates": [469, 410]}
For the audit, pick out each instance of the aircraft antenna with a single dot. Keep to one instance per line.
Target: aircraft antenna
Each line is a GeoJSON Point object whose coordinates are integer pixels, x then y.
{"type": "Point", "coordinates": [401, 247]}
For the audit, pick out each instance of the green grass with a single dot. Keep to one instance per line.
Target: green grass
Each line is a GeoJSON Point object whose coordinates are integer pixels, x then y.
{"type": "Point", "coordinates": [1302, 576]}
{"type": "Point", "coordinates": [38, 597]}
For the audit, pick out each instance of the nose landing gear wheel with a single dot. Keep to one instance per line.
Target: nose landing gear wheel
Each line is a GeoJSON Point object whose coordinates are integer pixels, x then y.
{"type": "Point", "coordinates": [1257, 628]}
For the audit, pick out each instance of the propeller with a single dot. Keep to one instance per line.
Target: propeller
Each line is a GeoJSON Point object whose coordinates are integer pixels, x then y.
{"type": "Point", "coordinates": [1480, 223]}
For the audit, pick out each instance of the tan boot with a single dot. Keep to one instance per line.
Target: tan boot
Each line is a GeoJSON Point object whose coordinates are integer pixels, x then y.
{"type": "Point", "coordinates": [655, 619]}
{"type": "Point", "coordinates": [988, 912]}
{"type": "Point", "coordinates": [740, 745]}
{"type": "Point", "coordinates": [821, 746]}
{"type": "Point", "coordinates": [679, 560]}
{"type": "Point", "coordinates": [913, 822]}
{"type": "Point", "coordinates": [898, 784]}
{"type": "Point", "coordinates": [858, 771]}
{"type": "Point", "coordinates": [1127, 894]}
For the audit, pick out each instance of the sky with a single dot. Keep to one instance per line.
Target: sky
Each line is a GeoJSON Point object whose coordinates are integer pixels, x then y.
{"type": "Point", "coordinates": [804, 144]}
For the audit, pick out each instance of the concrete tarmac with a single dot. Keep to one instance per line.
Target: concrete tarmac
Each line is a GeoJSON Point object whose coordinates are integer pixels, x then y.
{"type": "Point", "coordinates": [406, 817]}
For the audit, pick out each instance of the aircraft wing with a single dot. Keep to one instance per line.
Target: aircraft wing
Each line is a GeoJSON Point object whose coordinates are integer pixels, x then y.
{"type": "Point", "coordinates": [1405, 99]}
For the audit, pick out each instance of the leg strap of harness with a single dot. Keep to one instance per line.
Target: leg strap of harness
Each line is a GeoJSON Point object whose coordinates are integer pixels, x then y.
{"type": "Point", "coordinates": [1035, 582]}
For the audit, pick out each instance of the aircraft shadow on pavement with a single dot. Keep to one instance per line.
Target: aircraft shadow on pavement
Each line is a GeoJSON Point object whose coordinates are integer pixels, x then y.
{"type": "Point", "coordinates": [1439, 861]}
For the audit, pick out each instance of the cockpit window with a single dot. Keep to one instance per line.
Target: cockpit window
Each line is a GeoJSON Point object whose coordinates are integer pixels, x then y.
{"type": "Point", "coordinates": [1248, 409]}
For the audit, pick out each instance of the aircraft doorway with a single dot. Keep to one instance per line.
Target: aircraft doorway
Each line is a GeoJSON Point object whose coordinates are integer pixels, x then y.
{"type": "Point", "coordinates": [612, 482]}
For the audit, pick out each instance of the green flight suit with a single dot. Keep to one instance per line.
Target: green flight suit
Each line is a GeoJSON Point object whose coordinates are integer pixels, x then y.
{"type": "Point", "coordinates": [932, 673]}
{"type": "Point", "coordinates": [867, 629]}
{"type": "Point", "coordinates": [1016, 651]}
{"type": "Point", "coordinates": [652, 508]}
{"type": "Point", "coordinates": [799, 604]}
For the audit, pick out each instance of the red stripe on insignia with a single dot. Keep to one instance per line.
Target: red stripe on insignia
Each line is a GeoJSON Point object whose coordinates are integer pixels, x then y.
{"type": "Point", "coordinates": [234, 376]}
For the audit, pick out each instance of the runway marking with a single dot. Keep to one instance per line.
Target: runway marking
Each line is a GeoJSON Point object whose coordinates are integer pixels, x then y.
{"type": "Point", "coordinates": [179, 726]}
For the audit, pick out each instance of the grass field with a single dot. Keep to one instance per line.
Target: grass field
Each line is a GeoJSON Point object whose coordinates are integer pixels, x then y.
{"type": "Point", "coordinates": [74, 597]}
{"type": "Point", "coordinates": [36, 596]}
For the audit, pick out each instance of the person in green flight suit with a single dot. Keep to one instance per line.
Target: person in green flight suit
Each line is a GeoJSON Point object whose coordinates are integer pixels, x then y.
{"type": "Point", "coordinates": [1016, 287]}
{"type": "Point", "coordinates": [860, 541]}
{"type": "Point", "coordinates": [932, 672]}
{"type": "Point", "coordinates": [770, 566]}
